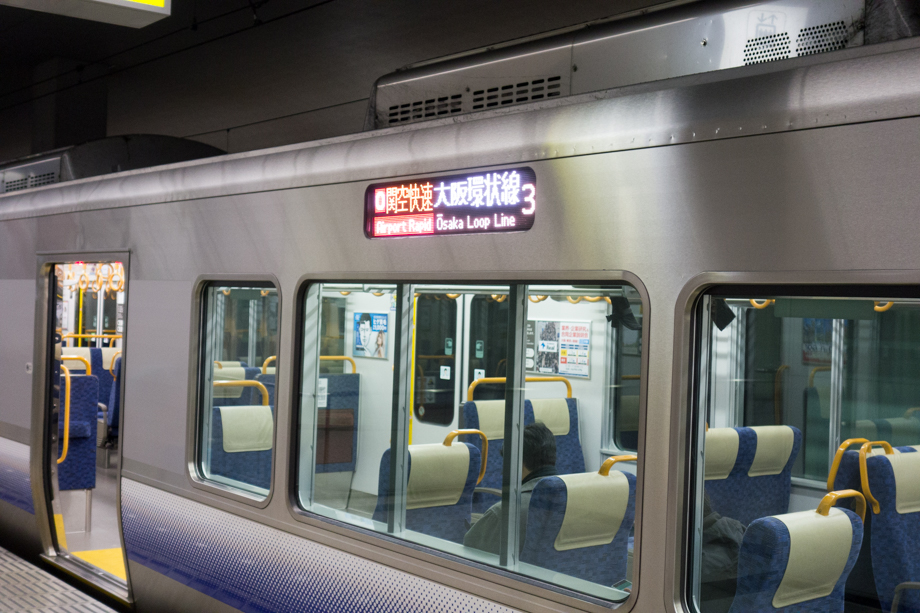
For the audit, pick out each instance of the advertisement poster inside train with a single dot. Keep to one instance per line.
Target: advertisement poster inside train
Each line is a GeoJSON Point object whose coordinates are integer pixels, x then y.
{"type": "Point", "coordinates": [370, 335]}
{"type": "Point", "coordinates": [816, 340]}
{"type": "Point", "coordinates": [558, 348]}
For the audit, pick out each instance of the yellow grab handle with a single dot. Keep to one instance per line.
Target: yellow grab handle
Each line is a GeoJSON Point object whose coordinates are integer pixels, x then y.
{"type": "Point", "coordinates": [485, 448]}
{"type": "Point", "coordinates": [609, 462]}
{"type": "Point", "coordinates": [219, 365]}
{"type": "Point", "coordinates": [268, 361]}
{"type": "Point", "coordinates": [814, 371]}
{"type": "Point", "coordinates": [247, 383]}
{"type": "Point", "coordinates": [831, 498]}
{"type": "Point", "coordinates": [112, 365]}
{"type": "Point", "coordinates": [340, 358]}
{"type": "Point", "coordinates": [881, 307]}
{"type": "Point", "coordinates": [66, 372]}
{"type": "Point", "coordinates": [864, 472]}
{"type": "Point", "coordinates": [89, 367]}
{"type": "Point", "coordinates": [762, 305]}
{"type": "Point", "coordinates": [835, 465]}
{"type": "Point", "coordinates": [568, 384]}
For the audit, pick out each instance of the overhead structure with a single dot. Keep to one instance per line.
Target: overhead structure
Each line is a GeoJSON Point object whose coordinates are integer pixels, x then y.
{"type": "Point", "coordinates": [131, 13]}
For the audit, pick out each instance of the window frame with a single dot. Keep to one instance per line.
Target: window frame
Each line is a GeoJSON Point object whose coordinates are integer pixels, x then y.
{"type": "Point", "coordinates": [687, 425]}
{"type": "Point", "coordinates": [470, 573]}
{"type": "Point", "coordinates": [196, 377]}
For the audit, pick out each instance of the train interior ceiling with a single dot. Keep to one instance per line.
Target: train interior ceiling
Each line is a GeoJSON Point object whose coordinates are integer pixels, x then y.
{"type": "Point", "coordinates": [89, 307]}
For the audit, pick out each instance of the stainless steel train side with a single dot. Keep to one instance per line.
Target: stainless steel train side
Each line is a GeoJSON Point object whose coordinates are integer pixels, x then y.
{"type": "Point", "coordinates": [797, 172]}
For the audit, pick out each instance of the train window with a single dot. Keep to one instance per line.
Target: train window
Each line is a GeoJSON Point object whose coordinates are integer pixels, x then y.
{"type": "Point", "coordinates": [405, 418]}
{"type": "Point", "coordinates": [239, 348]}
{"type": "Point", "coordinates": [792, 389]}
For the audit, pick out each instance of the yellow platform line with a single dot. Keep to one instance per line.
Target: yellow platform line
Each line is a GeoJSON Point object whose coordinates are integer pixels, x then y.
{"type": "Point", "coordinates": [111, 561]}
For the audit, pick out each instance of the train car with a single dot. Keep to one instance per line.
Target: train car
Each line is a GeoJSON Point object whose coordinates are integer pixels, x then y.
{"type": "Point", "coordinates": [642, 345]}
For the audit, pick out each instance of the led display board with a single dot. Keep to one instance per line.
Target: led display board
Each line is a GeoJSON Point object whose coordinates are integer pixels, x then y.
{"type": "Point", "coordinates": [474, 203]}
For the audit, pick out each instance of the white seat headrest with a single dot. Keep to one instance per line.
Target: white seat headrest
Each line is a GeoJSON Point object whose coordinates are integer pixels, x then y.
{"type": "Point", "coordinates": [594, 511]}
{"type": "Point", "coordinates": [819, 547]}
{"type": "Point", "coordinates": [247, 428]}
{"type": "Point", "coordinates": [906, 469]}
{"type": "Point", "coordinates": [774, 446]}
{"type": "Point", "coordinates": [720, 453]}
{"type": "Point", "coordinates": [553, 413]}
{"type": "Point", "coordinates": [437, 475]}
{"type": "Point", "coordinates": [491, 418]}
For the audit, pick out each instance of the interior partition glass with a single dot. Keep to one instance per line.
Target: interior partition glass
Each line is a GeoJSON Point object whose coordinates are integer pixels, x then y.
{"type": "Point", "coordinates": [238, 366]}
{"type": "Point", "coordinates": [784, 381]}
{"type": "Point", "coordinates": [580, 355]}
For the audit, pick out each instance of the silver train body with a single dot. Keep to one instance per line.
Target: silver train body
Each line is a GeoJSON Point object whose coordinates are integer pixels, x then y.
{"type": "Point", "coordinates": [797, 172]}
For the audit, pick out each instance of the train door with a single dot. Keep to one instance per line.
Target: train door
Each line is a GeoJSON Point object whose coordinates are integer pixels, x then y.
{"type": "Point", "coordinates": [82, 418]}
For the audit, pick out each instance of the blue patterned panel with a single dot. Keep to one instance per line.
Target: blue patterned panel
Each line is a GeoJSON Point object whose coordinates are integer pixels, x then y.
{"type": "Point", "coordinates": [447, 522]}
{"type": "Point", "coordinates": [253, 567]}
{"type": "Point", "coordinates": [252, 467]}
{"type": "Point", "coordinates": [602, 564]}
{"type": "Point", "coordinates": [269, 382]}
{"type": "Point", "coordinates": [570, 459]}
{"type": "Point", "coordinates": [78, 471]}
{"type": "Point", "coordinates": [895, 540]}
{"type": "Point", "coordinates": [342, 394]}
{"type": "Point", "coordinates": [748, 498]}
{"type": "Point", "coordinates": [493, 477]}
{"type": "Point", "coordinates": [762, 562]}
{"type": "Point", "coordinates": [15, 487]}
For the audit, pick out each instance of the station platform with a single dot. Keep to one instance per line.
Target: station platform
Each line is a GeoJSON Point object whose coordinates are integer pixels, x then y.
{"type": "Point", "coordinates": [27, 588]}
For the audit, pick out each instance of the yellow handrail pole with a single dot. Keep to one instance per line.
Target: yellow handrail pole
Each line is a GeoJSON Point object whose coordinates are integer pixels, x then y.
{"type": "Point", "coordinates": [112, 365]}
{"type": "Point", "coordinates": [831, 498]}
{"type": "Point", "coordinates": [568, 384]}
{"type": "Point", "coordinates": [835, 465]}
{"type": "Point", "coordinates": [609, 462]}
{"type": "Point", "coordinates": [630, 377]}
{"type": "Point", "coordinates": [412, 369]}
{"type": "Point", "coordinates": [66, 372]}
{"type": "Point", "coordinates": [268, 361]}
{"type": "Point", "coordinates": [340, 358]}
{"type": "Point", "coordinates": [102, 336]}
{"type": "Point", "coordinates": [89, 367]}
{"type": "Point", "coordinates": [864, 472]}
{"type": "Point", "coordinates": [814, 371]}
{"type": "Point", "coordinates": [485, 448]}
{"type": "Point", "coordinates": [79, 342]}
{"type": "Point", "coordinates": [246, 383]}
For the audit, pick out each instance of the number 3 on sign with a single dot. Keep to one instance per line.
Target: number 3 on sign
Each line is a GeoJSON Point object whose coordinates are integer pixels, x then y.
{"type": "Point", "coordinates": [529, 198]}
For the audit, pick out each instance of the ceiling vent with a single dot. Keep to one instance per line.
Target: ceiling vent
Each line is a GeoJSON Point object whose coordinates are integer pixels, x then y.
{"type": "Point", "coordinates": [684, 40]}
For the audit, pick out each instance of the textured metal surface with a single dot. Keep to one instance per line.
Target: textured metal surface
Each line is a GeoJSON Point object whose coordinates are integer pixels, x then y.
{"type": "Point", "coordinates": [256, 568]}
{"type": "Point", "coordinates": [25, 588]}
{"type": "Point", "coordinates": [14, 475]}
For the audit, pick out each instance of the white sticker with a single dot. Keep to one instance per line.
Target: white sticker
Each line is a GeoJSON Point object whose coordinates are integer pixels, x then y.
{"type": "Point", "coordinates": [445, 372]}
{"type": "Point", "coordinates": [322, 393]}
{"type": "Point", "coordinates": [479, 373]}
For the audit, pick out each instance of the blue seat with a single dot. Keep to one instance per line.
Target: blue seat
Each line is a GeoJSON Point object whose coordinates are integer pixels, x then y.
{"type": "Point", "coordinates": [487, 416]}
{"type": "Point", "coordinates": [560, 415]}
{"type": "Point", "coordinates": [241, 444]}
{"type": "Point", "coordinates": [797, 562]}
{"type": "Point", "coordinates": [749, 470]}
{"type": "Point", "coordinates": [439, 491]}
{"type": "Point", "coordinates": [569, 532]}
{"type": "Point", "coordinates": [894, 483]}
{"type": "Point", "coordinates": [78, 470]}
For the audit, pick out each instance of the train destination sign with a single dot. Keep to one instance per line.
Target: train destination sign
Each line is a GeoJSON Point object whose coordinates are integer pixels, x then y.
{"type": "Point", "coordinates": [474, 203]}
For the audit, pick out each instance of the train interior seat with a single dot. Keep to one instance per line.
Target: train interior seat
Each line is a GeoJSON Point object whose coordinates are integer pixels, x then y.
{"type": "Point", "coordinates": [78, 470]}
{"type": "Point", "coordinates": [241, 443]}
{"type": "Point", "coordinates": [234, 395]}
{"type": "Point", "coordinates": [898, 431]}
{"type": "Point", "coordinates": [487, 416]}
{"type": "Point", "coordinates": [439, 491]}
{"type": "Point", "coordinates": [893, 495]}
{"type": "Point", "coordinates": [560, 415]}
{"type": "Point", "coordinates": [817, 427]}
{"type": "Point", "coordinates": [579, 525]}
{"type": "Point", "coordinates": [337, 439]}
{"type": "Point", "coordinates": [798, 561]}
{"type": "Point", "coordinates": [748, 471]}
{"type": "Point", "coordinates": [114, 404]}
{"type": "Point", "coordinates": [627, 422]}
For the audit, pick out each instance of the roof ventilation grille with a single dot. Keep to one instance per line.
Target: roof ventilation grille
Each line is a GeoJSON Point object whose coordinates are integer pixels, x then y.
{"type": "Point", "coordinates": [516, 93]}
{"type": "Point", "coordinates": [16, 185]}
{"type": "Point", "coordinates": [766, 48]}
{"type": "Point", "coordinates": [425, 109]}
{"type": "Point", "coordinates": [818, 39]}
{"type": "Point", "coordinates": [43, 179]}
